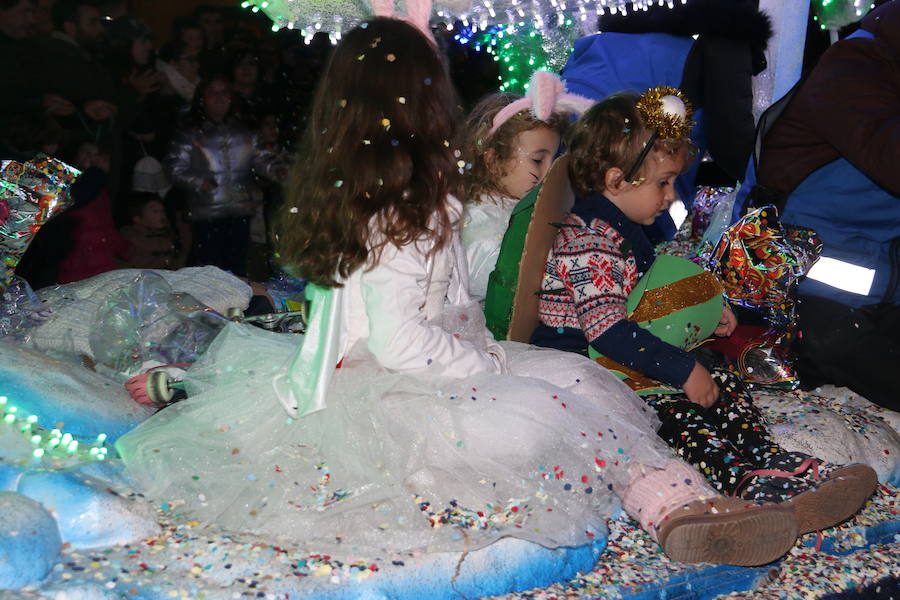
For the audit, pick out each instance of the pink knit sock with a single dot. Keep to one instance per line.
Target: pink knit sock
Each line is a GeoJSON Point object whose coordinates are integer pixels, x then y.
{"type": "Point", "coordinates": [654, 493]}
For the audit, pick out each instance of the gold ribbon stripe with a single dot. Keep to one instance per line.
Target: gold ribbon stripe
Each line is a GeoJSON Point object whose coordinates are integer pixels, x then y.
{"type": "Point", "coordinates": [672, 297]}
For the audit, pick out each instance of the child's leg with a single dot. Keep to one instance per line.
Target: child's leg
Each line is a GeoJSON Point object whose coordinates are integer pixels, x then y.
{"type": "Point", "coordinates": [653, 493]}
{"type": "Point", "coordinates": [695, 435]}
{"type": "Point", "coordinates": [693, 523]}
{"type": "Point", "coordinates": [731, 444]}
{"type": "Point", "coordinates": [724, 441]}
{"type": "Point", "coordinates": [740, 421]}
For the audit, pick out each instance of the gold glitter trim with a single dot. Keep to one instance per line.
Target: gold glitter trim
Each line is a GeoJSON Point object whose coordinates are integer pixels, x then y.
{"type": "Point", "coordinates": [633, 379]}
{"type": "Point", "coordinates": [672, 297]}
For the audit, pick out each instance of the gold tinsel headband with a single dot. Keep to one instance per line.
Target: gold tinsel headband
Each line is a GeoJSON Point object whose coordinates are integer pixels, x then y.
{"type": "Point", "coordinates": [667, 112]}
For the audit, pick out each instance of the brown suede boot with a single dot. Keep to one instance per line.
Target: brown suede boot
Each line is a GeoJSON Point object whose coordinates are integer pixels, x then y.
{"type": "Point", "coordinates": [835, 498]}
{"type": "Point", "coordinates": [822, 494]}
{"type": "Point", "coordinates": [693, 523]}
{"type": "Point", "coordinates": [729, 531]}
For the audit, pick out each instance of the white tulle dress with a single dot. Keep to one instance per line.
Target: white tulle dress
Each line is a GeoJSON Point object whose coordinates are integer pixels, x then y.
{"type": "Point", "coordinates": [429, 437]}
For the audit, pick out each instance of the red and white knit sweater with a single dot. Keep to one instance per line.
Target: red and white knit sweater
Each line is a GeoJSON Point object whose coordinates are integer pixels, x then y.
{"type": "Point", "coordinates": [588, 278]}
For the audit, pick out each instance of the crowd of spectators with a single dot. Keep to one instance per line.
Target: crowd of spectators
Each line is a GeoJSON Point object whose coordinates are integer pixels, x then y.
{"type": "Point", "coordinates": [206, 118]}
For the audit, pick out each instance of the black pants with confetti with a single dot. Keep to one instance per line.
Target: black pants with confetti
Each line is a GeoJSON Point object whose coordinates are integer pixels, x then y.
{"type": "Point", "coordinates": [726, 440]}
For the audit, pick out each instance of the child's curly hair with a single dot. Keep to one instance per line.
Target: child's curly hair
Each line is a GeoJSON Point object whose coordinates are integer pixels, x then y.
{"type": "Point", "coordinates": [483, 176]}
{"type": "Point", "coordinates": [375, 166]}
{"type": "Point", "coordinates": [612, 134]}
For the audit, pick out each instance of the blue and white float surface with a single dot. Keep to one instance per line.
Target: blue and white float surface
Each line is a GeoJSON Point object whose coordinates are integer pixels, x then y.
{"type": "Point", "coordinates": [72, 527]}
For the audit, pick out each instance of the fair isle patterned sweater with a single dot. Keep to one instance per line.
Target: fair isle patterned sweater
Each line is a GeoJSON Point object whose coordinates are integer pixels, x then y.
{"type": "Point", "coordinates": [596, 260]}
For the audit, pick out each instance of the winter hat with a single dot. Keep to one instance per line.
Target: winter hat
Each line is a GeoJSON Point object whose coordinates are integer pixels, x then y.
{"type": "Point", "coordinates": [149, 177]}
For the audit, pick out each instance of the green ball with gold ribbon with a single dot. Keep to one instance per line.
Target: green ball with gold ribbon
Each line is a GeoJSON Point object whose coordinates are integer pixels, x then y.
{"type": "Point", "coordinates": [678, 302]}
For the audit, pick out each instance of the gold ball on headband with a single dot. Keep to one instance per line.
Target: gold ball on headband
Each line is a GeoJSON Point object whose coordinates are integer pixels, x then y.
{"type": "Point", "coordinates": [666, 110]}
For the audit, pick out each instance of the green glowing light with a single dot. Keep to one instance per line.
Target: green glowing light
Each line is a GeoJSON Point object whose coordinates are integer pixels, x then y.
{"type": "Point", "coordinates": [49, 442]}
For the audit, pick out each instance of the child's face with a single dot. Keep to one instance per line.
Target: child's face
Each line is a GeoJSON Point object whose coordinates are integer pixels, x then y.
{"type": "Point", "coordinates": [193, 38]}
{"type": "Point", "coordinates": [153, 216]}
{"type": "Point", "coordinates": [89, 155]}
{"type": "Point", "coordinates": [268, 130]}
{"type": "Point", "coordinates": [533, 154]}
{"type": "Point", "coordinates": [246, 72]}
{"type": "Point", "coordinates": [643, 203]}
{"type": "Point", "coordinates": [217, 100]}
{"type": "Point", "coordinates": [140, 50]}
{"type": "Point", "coordinates": [188, 65]}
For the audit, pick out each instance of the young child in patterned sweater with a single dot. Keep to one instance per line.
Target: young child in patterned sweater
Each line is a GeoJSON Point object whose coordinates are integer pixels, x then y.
{"type": "Point", "coordinates": [599, 255]}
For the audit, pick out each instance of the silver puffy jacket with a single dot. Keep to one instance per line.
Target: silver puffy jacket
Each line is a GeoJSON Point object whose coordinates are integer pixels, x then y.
{"type": "Point", "coordinates": [227, 155]}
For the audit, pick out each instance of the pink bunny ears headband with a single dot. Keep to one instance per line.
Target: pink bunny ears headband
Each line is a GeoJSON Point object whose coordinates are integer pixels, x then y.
{"type": "Point", "coordinates": [418, 13]}
{"type": "Point", "coordinates": [546, 95]}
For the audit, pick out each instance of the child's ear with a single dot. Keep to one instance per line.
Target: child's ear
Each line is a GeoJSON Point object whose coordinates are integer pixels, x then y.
{"type": "Point", "coordinates": [490, 159]}
{"type": "Point", "coordinates": [614, 180]}
{"type": "Point", "coordinates": [494, 167]}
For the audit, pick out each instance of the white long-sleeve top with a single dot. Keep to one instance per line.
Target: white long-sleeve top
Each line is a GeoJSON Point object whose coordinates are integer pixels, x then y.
{"type": "Point", "coordinates": [395, 305]}
{"type": "Point", "coordinates": [484, 225]}
{"type": "Point", "coordinates": [397, 309]}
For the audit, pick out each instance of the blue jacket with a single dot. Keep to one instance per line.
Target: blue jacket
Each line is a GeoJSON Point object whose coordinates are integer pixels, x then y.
{"type": "Point", "coordinates": [858, 222]}
{"type": "Point", "coordinates": [834, 154]}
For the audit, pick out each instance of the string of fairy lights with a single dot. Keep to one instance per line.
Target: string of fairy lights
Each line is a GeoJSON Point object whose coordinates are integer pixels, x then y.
{"type": "Point", "coordinates": [335, 16]}
{"type": "Point", "coordinates": [522, 35]}
{"type": "Point", "coordinates": [520, 49]}
{"type": "Point", "coordinates": [53, 445]}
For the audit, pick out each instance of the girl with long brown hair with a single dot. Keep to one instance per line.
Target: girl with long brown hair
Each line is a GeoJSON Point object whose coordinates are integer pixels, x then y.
{"type": "Point", "coordinates": [376, 156]}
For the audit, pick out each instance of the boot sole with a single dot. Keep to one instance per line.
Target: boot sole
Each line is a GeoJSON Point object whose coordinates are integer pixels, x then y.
{"type": "Point", "coordinates": [747, 538]}
{"type": "Point", "coordinates": [837, 499]}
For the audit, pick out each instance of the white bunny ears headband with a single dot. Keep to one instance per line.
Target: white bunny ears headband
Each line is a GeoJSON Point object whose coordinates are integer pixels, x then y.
{"type": "Point", "coordinates": [418, 13]}
{"type": "Point", "coordinates": [546, 95]}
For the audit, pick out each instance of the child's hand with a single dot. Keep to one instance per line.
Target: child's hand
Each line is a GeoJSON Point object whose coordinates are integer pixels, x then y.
{"type": "Point", "coordinates": [146, 82]}
{"type": "Point", "coordinates": [58, 106]}
{"type": "Point", "coordinates": [700, 387]}
{"type": "Point", "coordinates": [727, 323]}
{"type": "Point", "coordinates": [99, 110]}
